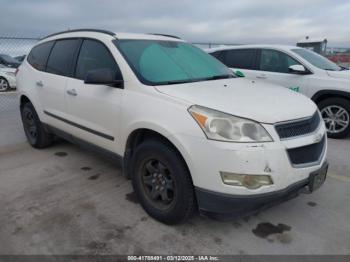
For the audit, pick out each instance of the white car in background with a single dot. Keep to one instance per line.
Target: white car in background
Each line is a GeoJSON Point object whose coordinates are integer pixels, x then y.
{"type": "Point", "coordinates": [7, 78]}
{"type": "Point", "coordinates": [301, 70]}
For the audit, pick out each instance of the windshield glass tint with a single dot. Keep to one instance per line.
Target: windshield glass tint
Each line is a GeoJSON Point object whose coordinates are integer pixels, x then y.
{"type": "Point", "coordinates": [165, 62]}
{"type": "Point", "coordinates": [9, 59]}
{"type": "Point", "coordinates": [317, 60]}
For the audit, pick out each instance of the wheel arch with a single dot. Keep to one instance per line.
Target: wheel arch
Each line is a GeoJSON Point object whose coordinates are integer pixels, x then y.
{"type": "Point", "coordinates": [324, 94]}
{"type": "Point", "coordinates": [24, 99]}
{"type": "Point", "coordinates": [137, 136]}
{"type": "Point", "coordinates": [3, 77]}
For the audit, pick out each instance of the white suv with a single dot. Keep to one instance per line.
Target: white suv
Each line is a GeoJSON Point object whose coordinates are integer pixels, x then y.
{"type": "Point", "coordinates": [301, 70]}
{"type": "Point", "coordinates": [190, 135]}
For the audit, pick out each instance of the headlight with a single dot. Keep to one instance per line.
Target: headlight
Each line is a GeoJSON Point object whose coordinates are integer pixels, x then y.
{"type": "Point", "coordinates": [224, 127]}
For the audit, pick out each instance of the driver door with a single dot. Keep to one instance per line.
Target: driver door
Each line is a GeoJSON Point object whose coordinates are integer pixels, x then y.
{"type": "Point", "coordinates": [94, 110]}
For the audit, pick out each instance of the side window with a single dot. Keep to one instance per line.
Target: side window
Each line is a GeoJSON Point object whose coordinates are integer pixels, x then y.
{"type": "Point", "coordinates": [240, 58]}
{"type": "Point", "coordinates": [95, 55]}
{"type": "Point", "coordinates": [62, 57]}
{"type": "Point", "coordinates": [218, 55]}
{"type": "Point", "coordinates": [275, 61]}
{"type": "Point", "coordinates": [39, 54]}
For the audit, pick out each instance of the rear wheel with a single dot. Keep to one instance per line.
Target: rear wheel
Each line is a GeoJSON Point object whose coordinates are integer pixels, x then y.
{"type": "Point", "coordinates": [336, 115]}
{"type": "Point", "coordinates": [34, 130]}
{"type": "Point", "coordinates": [4, 85]}
{"type": "Point", "coordinates": [162, 182]}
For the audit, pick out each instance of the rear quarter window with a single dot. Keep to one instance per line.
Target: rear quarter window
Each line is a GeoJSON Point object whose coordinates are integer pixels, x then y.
{"type": "Point", "coordinates": [37, 58]}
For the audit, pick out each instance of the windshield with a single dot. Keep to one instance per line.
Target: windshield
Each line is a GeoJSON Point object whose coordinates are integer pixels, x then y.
{"type": "Point", "coordinates": [169, 62]}
{"type": "Point", "coordinates": [317, 60]}
{"type": "Point", "coordinates": [9, 59]}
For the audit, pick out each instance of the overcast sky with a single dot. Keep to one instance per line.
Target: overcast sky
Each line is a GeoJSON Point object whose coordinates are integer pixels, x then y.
{"type": "Point", "coordinates": [225, 21]}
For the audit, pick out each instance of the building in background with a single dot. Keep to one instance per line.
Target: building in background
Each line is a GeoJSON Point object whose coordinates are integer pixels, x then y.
{"type": "Point", "coordinates": [318, 45]}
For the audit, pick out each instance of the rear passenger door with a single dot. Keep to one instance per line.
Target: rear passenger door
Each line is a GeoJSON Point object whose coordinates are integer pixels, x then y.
{"type": "Point", "coordinates": [94, 110]}
{"type": "Point", "coordinates": [52, 83]}
{"type": "Point", "coordinates": [239, 60]}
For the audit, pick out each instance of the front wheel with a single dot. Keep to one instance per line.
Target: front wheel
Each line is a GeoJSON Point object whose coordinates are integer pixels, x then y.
{"type": "Point", "coordinates": [162, 182]}
{"type": "Point", "coordinates": [4, 85]}
{"type": "Point", "coordinates": [336, 115]}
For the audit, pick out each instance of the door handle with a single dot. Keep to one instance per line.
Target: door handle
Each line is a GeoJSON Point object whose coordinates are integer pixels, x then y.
{"type": "Point", "coordinates": [261, 76]}
{"type": "Point", "coordinates": [39, 84]}
{"type": "Point", "coordinates": [72, 92]}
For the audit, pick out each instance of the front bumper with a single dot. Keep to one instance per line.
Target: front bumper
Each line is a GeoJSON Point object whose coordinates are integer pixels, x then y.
{"type": "Point", "coordinates": [11, 80]}
{"type": "Point", "coordinates": [207, 158]}
{"type": "Point", "coordinates": [236, 205]}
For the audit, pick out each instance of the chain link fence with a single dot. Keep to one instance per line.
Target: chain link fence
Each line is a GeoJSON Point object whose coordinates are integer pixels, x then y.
{"type": "Point", "coordinates": [8, 102]}
{"type": "Point", "coordinates": [17, 46]}
{"type": "Point", "coordinates": [12, 52]}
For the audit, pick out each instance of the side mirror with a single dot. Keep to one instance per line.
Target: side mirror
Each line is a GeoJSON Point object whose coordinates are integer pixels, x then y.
{"type": "Point", "coordinates": [103, 76]}
{"type": "Point", "coordinates": [298, 69]}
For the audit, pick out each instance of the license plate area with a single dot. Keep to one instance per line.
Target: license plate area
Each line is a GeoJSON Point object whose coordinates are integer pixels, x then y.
{"type": "Point", "coordinates": [317, 178]}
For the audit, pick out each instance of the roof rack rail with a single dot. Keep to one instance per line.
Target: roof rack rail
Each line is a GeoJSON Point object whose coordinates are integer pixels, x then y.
{"type": "Point", "coordinates": [172, 36]}
{"type": "Point", "coordinates": [82, 30]}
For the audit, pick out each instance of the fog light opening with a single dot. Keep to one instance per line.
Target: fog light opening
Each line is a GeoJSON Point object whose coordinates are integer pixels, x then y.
{"type": "Point", "coordinates": [247, 181]}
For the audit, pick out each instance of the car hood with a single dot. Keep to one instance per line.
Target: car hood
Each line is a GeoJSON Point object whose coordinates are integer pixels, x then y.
{"type": "Point", "coordinates": [344, 74]}
{"type": "Point", "coordinates": [255, 100]}
{"type": "Point", "coordinates": [8, 69]}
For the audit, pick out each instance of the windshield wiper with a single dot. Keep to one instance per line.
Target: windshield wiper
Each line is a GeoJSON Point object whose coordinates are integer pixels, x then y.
{"type": "Point", "coordinates": [195, 80]}
{"type": "Point", "coordinates": [175, 82]}
{"type": "Point", "coordinates": [219, 77]}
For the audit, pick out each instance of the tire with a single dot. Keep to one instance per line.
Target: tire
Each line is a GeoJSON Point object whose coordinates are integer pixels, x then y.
{"type": "Point", "coordinates": [338, 126]}
{"type": "Point", "coordinates": [34, 130]}
{"type": "Point", "coordinates": [176, 202]}
{"type": "Point", "coordinates": [4, 85]}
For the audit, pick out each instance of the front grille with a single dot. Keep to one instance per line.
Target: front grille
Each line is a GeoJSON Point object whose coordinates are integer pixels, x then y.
{"type": "Point", "coordinates": [307, 154]}
{"type": "Point", "coordinates": [298, 128]}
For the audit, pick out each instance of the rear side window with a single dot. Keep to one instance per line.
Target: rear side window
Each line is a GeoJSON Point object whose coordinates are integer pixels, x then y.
{"type": "Point", "coordinates": [62, 57]}
{"type": "Point", "coordinates": [218, 55]}
{"type": "Point", "coordinates": [239, 58]}
{"type": "Point", "coordinates": [95, 55]}
{"type": "Point", "coordinates": [39, 54]}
